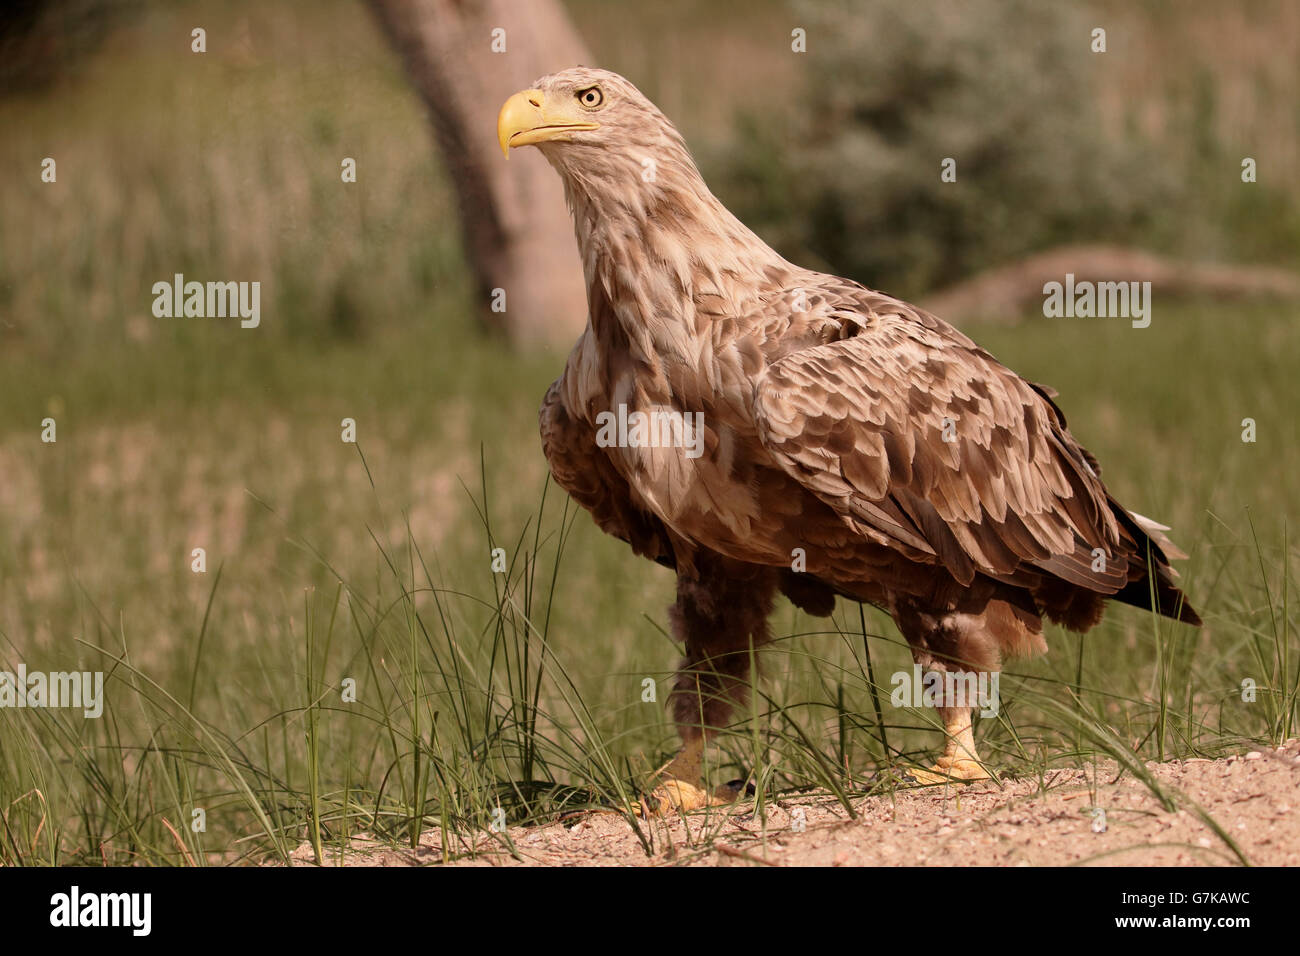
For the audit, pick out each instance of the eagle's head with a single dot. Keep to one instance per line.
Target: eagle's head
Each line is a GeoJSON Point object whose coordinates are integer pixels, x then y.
{"type": "Point", "coordinates": [581, 110]}
{"type": "Point", "coordinates": [643, 214]}
{"type": "Point", "coordinates": [599, 131]}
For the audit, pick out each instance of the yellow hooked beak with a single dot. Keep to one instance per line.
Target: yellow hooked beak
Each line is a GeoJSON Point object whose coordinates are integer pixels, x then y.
{"type": "Point", "coordinates": [531, 117]}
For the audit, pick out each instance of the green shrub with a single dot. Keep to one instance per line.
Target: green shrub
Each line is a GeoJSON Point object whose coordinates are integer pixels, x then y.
{"type": "Point", "coordinates": [852, 181]}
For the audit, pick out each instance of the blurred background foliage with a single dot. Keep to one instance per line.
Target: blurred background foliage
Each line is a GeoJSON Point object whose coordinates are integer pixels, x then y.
{"type": "Point", "coordinates": [1054, 143]}
{"type": "Point", "coordinates": [227, 164]}
{"type": "Point", "coordinates": [1007, 88]}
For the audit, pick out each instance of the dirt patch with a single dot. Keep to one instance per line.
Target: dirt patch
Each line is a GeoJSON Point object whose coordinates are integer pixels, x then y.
{"type": "Point", "coordinates": [1070, 816]}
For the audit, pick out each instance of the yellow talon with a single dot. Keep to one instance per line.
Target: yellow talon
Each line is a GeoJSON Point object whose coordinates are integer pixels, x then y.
{"type": "Point", "coordinates": [676, 792]}
{"type": "Point", "coordinates": [961, 770]}
{"type": "Point", "coordinates": [959, 762]}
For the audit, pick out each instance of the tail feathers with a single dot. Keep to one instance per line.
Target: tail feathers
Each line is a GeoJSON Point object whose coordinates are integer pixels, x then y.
{"type": "Point", "coordinates": [1155, 531]}
{"type": "Point", "coordinates": [1162, 595]}
{"type": "Point", "coordinates": [1169, 600]}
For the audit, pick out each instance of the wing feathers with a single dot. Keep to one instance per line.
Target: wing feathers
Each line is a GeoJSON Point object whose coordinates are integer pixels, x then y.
{"type": "Point", "coordinates": [913, 432]}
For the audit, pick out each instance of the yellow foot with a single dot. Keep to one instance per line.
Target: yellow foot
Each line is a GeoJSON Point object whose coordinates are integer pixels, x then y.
{"type": "Point", "coordinates": [678, 795]}
{"type": "Point", "coordinates": [949, 769]}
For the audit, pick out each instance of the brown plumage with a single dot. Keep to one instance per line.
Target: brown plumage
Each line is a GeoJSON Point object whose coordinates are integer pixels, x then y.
{"type": "Point", "coordinates": [849, 443]}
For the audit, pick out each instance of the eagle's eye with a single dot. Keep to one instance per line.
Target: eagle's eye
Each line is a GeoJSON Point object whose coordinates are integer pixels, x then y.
{"type": "Point", "coordinates": [591, 97]}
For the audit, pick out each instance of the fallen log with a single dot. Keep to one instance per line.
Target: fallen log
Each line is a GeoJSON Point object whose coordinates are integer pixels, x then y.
{"type": "Point", "coordinates": [1008, 293]}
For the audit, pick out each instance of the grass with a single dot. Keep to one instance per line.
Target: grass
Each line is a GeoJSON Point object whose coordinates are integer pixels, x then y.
{"type": "Point", "coordinates": [335, 569]}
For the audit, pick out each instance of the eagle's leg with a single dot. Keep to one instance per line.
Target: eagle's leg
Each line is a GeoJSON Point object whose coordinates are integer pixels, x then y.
{"type": "Point", "coordinates": [681, 784]}
{"type": "Point", "coordinates": [959, 760]}
{"type": "Point", "coordinates": [721, 617]}
{"type": "Point", "coordinates": [959, 644]}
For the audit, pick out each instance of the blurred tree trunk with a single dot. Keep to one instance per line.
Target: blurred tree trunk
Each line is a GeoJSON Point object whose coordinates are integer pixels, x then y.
{"type": "Point", "coordinates": [518, 236]}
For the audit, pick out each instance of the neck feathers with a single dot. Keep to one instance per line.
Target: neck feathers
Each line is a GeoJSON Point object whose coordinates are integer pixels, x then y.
{"type": "Point", "coordinates": [660, 249]}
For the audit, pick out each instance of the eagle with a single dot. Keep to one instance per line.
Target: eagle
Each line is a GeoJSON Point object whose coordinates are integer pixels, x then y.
{"type": "Point", "coordinates": [761, 428]}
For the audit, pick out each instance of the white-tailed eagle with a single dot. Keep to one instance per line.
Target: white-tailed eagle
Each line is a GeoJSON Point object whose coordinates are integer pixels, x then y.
{"type": "Point", "coordinates": [763, 428]}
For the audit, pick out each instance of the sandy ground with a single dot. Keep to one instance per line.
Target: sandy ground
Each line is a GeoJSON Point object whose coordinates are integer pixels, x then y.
{"type": "Point", "coordinates": [1254, 798]}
